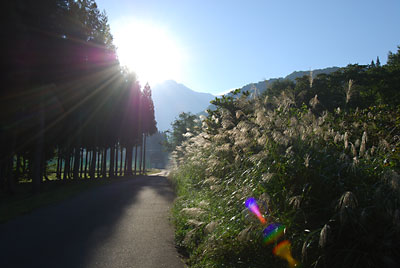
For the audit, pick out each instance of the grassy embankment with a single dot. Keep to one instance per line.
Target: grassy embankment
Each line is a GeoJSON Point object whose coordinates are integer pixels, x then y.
{"type": "Point", "coordinates": [330, 178]}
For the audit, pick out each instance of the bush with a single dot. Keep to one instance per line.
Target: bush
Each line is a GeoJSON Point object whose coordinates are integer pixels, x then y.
{"type": "Point", "coordinates": [330, 178]}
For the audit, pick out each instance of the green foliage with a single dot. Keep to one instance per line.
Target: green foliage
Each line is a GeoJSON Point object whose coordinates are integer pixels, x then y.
{"type": "Point", "coordinates": [184, 127]}
{"type": "Point", "coordinates": [350, 87]}
{"type": "Point", "coordinates": [330, 177]}
{"type": "Point", "coordinates": [394, 58]}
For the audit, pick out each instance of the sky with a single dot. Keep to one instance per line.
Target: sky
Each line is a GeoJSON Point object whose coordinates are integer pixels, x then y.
{"type": "Point", "coordinates": [216, 45]}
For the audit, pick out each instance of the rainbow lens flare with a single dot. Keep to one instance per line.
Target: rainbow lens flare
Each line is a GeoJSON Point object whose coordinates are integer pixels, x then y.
{"type": "Point", "coordinates": [273, 232]}
{"type": "Point", "coordinates": [283, 251]}
{"type": "Point", "coordinates": [251, 204]}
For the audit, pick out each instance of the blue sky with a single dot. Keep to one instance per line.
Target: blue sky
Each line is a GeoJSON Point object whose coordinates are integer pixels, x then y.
{"type": "Point", "coordinates": [232, 43]}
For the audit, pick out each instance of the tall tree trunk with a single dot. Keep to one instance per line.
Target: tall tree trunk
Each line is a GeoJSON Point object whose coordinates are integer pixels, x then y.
{"type": "Point", "coordinates": [144, 154]}
{"type": "Point", "coordinates": [71, 165]}
{"type": "Point", "coordinates": [37, 170]}
{"type": "Point", "coordinates": [18, 169]}
{"type": "Point", "coordinates": [104, 166]}
{"type": "Point", "coordinates": [92, 173]}
{"type": "Point", "coordinates": [24, 166]}
{"type": "Point", "coordinates": [98, 163]}
{"type": "Point", "coordinates": [141, 156]}
{"type": "Point", "coordinates": [129, 152]}
{"type": "Point", "coordinates": [135, 158]}
{"type": "Point", "coordinates": [66, 164]}
{"type": "Point", "coordinates": [112, 158]}
{"type": "Point", "coordinates": [122, 158]}
{"type": "Point", "coordinates": [116, 159]}
{"type": "Point", "coordinates": [87, 154]}
{"type": "Point", "coordinates": [125, 163]}
{"type": "Point", "coordinates": [81, 164]}
{"type": "Point", "coordinates": [59, 162]}
{"type": "Point", "coordinates": [29, 172]}
{"type": "Point", "coordinates": [44, 168]}
{"type": "Point", "coordinates": [77, 160]}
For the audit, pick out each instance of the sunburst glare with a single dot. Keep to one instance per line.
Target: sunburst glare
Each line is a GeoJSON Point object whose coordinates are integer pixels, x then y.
{"type": "Point", "coordinates": [148, 50]}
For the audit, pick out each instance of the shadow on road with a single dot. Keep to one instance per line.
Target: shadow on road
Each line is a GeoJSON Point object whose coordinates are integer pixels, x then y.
{"type": "Point", "coordinates": [67, 234]}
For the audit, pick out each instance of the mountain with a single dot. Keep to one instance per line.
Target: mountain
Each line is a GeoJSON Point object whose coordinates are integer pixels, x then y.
{"type": "Point", "coordinates": [263, 85]}
{"type": "Point", "coordinates": [171, 98]}
{"type": "Point", "coordinates": [315, 73]}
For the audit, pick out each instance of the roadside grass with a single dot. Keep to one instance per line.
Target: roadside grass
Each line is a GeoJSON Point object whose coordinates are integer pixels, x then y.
{"type": "Point", "coordinates": [24, 201]}
{"type": "Point", "coordinates": [152, 171]}
{"type": "Point", "coordinates": [330, 179]}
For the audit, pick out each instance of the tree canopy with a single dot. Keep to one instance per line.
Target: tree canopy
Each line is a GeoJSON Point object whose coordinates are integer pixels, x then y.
{"type": "Point", "coordinates": [65, 95]}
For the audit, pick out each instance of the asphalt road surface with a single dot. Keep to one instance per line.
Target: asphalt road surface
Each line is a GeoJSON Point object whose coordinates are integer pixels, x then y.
{"type": "Point", "coordinates": [123, 224]}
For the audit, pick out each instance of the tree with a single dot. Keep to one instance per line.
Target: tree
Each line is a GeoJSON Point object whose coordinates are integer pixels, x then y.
{"type": "Point", "coordinates": [148, 120]}
{"type": "Point", "coordinates": [183, 127]}
{"type": "Point", "coordinates": [394, 58]}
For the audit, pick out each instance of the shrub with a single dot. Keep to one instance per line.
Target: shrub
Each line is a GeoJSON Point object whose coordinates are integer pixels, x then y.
{"type": "Point", "coordinates": [330, 178]}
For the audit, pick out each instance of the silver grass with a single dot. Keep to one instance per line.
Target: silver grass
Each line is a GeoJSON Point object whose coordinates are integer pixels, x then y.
{"type": "Point", "coordinates": [226, 123]}
{"type": "Point", "coordinates": [187, 135]}
{"type": "Point", "coordinates": [267, 177]}
{"type": "Point", "coordinates": [314, 101]}
{"type": "Point", "coordinates": [239, 114]}
{"type": "Point", "coordinates": [295, 201]}
{"type": "Point", "coordinates": [384, 145]}
{"type": "Point", "coordinates": [304, 251]}
{"type": "Point", "coordinates": [346, 140]}
{"type": "Point", "coordinates": [357, 143]}
{"type": "Point", "coordinates": [363, 143]}
{"type": "Point", "coordinates": [224, 148]}
{"type": "Point", "coordinates": [347, 200]}
{"type": "Point", "coordinates": [289, 152]}
{"type": "Point", "coordinates": [324, 236]}
{"type": "Point", "coordinates": [353, 149]}
{"type": "Point", "coordinates": [349, 91]}
{"type": "Point", "coordinates": [337, 138]}
{"type": "Point", "coordinates": [307, 160]}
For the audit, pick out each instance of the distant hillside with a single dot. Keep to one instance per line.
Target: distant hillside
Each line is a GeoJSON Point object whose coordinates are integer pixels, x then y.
{"type": "Point", "coordinates": [262, 86]}
{"type": "Point", "coordinates": [171, 98]}
{"type": "Point", "coordinates": [316, 72]}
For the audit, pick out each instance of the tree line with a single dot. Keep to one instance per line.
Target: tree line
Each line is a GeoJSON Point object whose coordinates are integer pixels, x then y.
{"type": "Point", "coordinates": [350, 87]}
{"type": "Point", "coordinates": [64, 98]}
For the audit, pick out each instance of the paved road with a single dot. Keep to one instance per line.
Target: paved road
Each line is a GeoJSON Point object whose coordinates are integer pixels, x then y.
{"type": "Point", "coordinates": [123, 224]}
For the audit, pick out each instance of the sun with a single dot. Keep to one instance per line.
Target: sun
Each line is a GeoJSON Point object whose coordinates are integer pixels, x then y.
{"type": "Point", "coordinates": [148, 50]}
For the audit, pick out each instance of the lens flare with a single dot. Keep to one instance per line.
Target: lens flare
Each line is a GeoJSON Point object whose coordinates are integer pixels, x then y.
{"type": "Point", "coordinates": [251, 204]}
{"type": "Point", "coordinates": [283, 251]}
{"type": "Point", "coordinates": [273, 232]}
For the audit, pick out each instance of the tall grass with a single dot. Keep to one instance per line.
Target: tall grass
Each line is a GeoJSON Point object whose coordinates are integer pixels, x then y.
{"type": "Point", "coordinates": [331, 178]}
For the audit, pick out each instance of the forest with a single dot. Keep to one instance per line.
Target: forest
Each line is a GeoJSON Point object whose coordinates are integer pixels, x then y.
{"type": "Point", "coordinates": [321, 159]}
{"type": "Point", "coordinates": [67, 106]}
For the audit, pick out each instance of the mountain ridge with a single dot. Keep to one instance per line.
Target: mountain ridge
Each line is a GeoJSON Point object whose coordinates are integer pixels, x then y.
{"type": "Point", "coordinates": [169, 91]}
{"type": "Point", "coordinates": [172, 98]}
